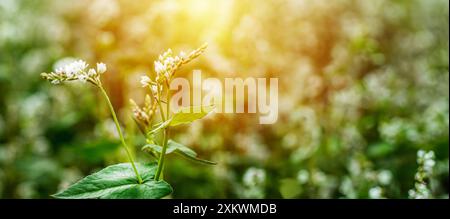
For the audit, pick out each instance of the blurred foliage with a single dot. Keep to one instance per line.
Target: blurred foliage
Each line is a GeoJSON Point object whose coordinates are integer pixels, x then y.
{"type": "Point", "coordinates": [363, 86]}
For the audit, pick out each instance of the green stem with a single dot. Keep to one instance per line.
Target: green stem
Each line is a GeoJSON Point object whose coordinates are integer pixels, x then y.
{"type": "Point", "coordinates": [165, 140]}
{"type": "Point", "coordinates": [161, 111]}
{"type": "Point", "coordinates": [111, 108]}
{"type": "Point", "coordinates": [155, 97]}
{"type": "Point", "coordinates": [162, 155]}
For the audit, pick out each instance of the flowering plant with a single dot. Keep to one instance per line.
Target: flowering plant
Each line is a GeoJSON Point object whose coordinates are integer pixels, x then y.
{"type": "Point", "coordinates": [136, 180]}
{"type": "Point", "coordinates": [426, 162]}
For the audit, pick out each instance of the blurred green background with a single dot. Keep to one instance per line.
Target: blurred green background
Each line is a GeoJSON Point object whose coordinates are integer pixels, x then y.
{"type": "Point", "coordinates": [363, 85]}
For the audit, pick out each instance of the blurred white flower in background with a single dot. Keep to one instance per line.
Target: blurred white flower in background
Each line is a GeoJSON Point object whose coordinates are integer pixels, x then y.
{"type": "Point", "coordinates": [376, 192]}
{"type": "Point", "coordinates": [101, 68]}
{"type": "Point", "coordinates": [347, 188]}
{"type": "Point", "coordinates": [303, 176]}
{"type": "Point", "coordinates": [426, 159]}
{"type": "Point", "coordinates": [103, 11]}
{"type": "Point", "coordinates": [384, 177]}
{"type": "Point", "coordinates": [254, 180]}
{"type": "Point", "coordinates": [426, 162]}
{"type": "Point", "coordinates": [145, 81]}
{"type": "Point", "coordinates": [392, 129]}
{"type": "Point", "coordinates": [254, 176]}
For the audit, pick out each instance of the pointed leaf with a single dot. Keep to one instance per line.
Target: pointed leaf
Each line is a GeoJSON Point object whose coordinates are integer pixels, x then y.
{"type": "Point", "coordinates": [148, 190]}
{"type": "Point", "coordinates": [189, 114]}
{"type": "Point", "coordinates": [194, 158]}
{"type": "Point", "coordinates": [118, 181]}
{"type": "Point", "coordinates": [157, 148]}
{"type": "Point", "coordinates": [179, 149]}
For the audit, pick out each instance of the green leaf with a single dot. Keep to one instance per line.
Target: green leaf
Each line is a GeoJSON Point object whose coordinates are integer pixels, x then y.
{"type": "Point", "coordinates": [118, 181]}
{"type": "Point", "coordinates": [157, 148]}
{"type": "Point", "coordinates": [184, 115]}
{"type": "Point", "coordinates": [380, 149]}
{"type": "Point", "coordinates": [179, 149]}
{"type": "Point", "coordinates": [189, 114]}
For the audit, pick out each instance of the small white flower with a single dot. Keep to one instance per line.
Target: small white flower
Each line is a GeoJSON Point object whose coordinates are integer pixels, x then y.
{"type": "Point", "coordinates": [428, 165]}
{"type": "Point", "coordinates": [101, 68]}
{"type": "Point", "coordinates": [167, 75]}
{"type": "Point", "coordinates": [385, 177]}
{"type": "Point", "coordinates": [82, 77]}
{"type": "Point", "coordinates": [420, 154]}
{"type": "Point", "coordinates": [154, 88]}
{"type": "Point", "coordinates": [55, 81]}
{"type": "Point", "coordinates": [145, 81]}
{"type": "Point", "coordinates": [429, 155]}
{"type": "Point", "coordinates": [182, 55]}
{"type": "Point", "coordinates": [421, 187]}
{"type": "Point", "coordinates": [412, 193]}
{"type": "Point", "coordinates": [79, 66]}
{"type": "Point", "coordinates": [75, 68]}
{"type": "Point", "coordinates": [375, 193]}
{"type": "Point", "coordinates": [168, 61]}
{"type": "Point", "coordinates": [91, 72]}
{"type": "Point", "coordinates": [168, 52]}
{"type": "Point", "coordinates": [303, 176]}
{"type": "Point", "coordinates": [426, 160]}
{"type": "Point", "coordinates": [254, 176]}
{"type": "Point", "coordinates": [159, 67]}
{"type": "Point", "coordinates": [59, 71]}
{"type": "Point", "coordinates": [68, 70]}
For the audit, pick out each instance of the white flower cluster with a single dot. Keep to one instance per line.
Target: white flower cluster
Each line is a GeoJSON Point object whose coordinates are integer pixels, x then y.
{"type": "Point", "coordinates": [77, 70]}
{"type": "Point", "coordinates": [146, 81]}
{"type": "Point", "coordinates": [420, 191]}
{"type": "Point", "coordinates": [426, 160]}
{"type": "Point", "coordinates": [426, 163]}
{"type": "Point", "coordinates": [166, 66]}
{"type": "Point", "coordinates": [391, 130]}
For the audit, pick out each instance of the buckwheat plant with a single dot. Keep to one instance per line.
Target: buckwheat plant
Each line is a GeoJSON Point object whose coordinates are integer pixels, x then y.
{"type": "Point", "coordinates": [136, 180]}
{"type": "Point", "coordinates": [426, 163]}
